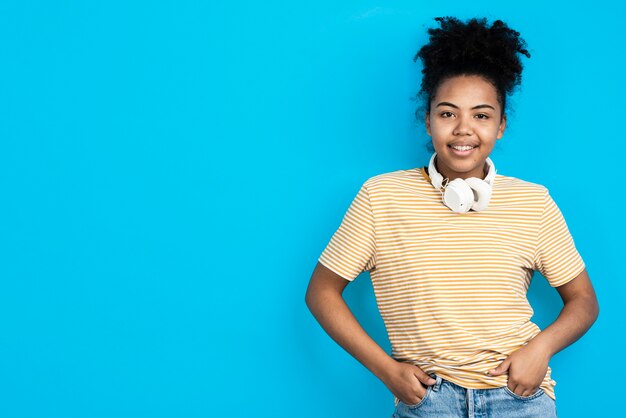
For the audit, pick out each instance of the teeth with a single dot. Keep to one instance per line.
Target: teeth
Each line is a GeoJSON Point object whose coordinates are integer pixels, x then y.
{"type": "Point", "coordinates": [465, 148]}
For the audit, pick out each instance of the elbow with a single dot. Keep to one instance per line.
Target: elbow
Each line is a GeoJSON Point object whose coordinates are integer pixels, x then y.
{"type": "Point", "coordinates": [312, 302]}
{"type": "Point", "coordinates": [310, 298]}
{"type": "Point", "coordinates": [593, 308]}
{"type": "Point", "coordinates": [317, 297]}
{"type": "Point", "coordinates": [587, 306]}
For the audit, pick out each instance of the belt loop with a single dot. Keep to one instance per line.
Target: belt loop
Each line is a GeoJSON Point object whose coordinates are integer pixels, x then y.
{"type": "Point", "coordinates": [437, 384]}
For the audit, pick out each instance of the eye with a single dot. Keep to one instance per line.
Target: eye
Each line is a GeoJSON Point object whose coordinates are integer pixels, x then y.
{"type": "Point", "coordinates": [482, 114]}
{"type": "Point", "coordinates": [444, 113]}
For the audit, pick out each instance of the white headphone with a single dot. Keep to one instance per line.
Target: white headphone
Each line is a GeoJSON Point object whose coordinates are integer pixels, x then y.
{"type": "Point", "coordinates": [461, 195]}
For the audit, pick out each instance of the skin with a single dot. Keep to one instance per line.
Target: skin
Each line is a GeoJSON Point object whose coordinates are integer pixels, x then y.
{"type": "Point", "coordinates": [527, 366]}
{"type": "Point", "coordinates": [464, 109]}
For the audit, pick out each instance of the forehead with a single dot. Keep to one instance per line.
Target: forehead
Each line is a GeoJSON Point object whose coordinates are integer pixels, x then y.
{"type": "Point", "coordinates": [467, 90]}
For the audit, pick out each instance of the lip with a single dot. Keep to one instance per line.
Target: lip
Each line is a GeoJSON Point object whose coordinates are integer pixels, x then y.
{"type": "Point", "coordinates": [463, 144]}
{"type": "Point", "coordinates": [462, 153]}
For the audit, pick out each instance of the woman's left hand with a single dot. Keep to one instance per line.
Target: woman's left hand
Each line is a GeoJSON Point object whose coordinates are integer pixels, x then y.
{"type": "Point", "coordinates": [527, 366]}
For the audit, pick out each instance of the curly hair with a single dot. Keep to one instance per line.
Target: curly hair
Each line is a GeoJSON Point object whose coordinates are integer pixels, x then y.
{"type": "Point", "coordinates": [471, 48]}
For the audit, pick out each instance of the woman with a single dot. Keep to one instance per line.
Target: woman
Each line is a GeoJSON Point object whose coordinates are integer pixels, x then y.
{"type": "Point", "coordinates": [451, 249]}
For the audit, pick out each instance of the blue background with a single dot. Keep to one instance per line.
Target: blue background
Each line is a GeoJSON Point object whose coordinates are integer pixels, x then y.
{"type": "Point", "coordinates": [170, 172]}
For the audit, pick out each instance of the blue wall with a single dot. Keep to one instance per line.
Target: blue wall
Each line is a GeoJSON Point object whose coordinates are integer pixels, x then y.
{"type": "Point", "coordinates": [170, 172]}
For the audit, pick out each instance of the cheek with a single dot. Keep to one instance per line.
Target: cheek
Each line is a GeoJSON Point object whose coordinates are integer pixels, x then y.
{"type": "Point", "coordinates": [491, 130]}
{"type": "Point", "coordinates": [440, 131]}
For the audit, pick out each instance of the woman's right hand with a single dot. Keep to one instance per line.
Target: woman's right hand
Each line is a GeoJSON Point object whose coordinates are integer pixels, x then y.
{"type": "Point", "coordinates": [408, 382]}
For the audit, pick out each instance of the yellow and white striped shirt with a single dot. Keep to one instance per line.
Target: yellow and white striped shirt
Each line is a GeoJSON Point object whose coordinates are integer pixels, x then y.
{"type": "Point", "coordinates": [451, 287]}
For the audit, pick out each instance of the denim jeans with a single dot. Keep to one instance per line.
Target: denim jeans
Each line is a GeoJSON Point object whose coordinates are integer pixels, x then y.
{"type": "Point", "coordinates": [445, 399]}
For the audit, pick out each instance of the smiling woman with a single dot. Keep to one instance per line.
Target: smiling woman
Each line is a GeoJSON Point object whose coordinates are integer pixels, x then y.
{"type": "Point", "coordinates": [465, 124]}
{"type": "Point", "coordinates": [451, 249]}
{"type": "Point", "coordinates": [469, 69]}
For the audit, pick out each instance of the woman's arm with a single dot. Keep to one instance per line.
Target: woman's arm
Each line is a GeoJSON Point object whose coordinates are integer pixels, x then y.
{"type": "Point", "coordinates": [325, 301]}
{"type": "Point", "coordinates": [528, 365]}
{"type": "Point", "coordinates": [580, 311]}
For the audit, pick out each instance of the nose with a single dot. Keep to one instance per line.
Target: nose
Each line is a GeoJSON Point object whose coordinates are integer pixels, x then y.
{"type": "Point", "coordinates": [463, 127]}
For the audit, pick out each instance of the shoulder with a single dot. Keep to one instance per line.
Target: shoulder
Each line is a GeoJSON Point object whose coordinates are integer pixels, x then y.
{"type": "Point", "coordinates": [512, 184]}
{"type": "Point", "coordinates": [392, 179]}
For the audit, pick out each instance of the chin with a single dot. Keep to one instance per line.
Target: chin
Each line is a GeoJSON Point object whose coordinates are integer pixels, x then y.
{"type": "Point", "coordinates": [458, 165]}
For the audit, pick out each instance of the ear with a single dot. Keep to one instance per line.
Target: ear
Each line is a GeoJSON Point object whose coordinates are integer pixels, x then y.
{"type": "Point", "coordinates": [502, 127]}
{"type": "Point", "coordinates": [428, 123]}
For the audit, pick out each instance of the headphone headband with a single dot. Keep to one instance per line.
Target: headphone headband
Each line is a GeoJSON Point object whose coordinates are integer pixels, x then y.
{"type": "Point", "coordinates": [437, 178]}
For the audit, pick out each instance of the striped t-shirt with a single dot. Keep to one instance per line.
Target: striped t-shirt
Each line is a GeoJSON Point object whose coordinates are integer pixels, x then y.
{"type": "Point", "coordinates": [451, 287]}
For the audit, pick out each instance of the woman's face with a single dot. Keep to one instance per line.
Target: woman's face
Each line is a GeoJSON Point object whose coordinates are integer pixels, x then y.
{"type": "Point", "coordinates": [464, 112]}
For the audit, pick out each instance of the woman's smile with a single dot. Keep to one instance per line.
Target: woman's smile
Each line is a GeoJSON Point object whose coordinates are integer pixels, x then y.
{"type": "Point", "coordinates": [462, 151]}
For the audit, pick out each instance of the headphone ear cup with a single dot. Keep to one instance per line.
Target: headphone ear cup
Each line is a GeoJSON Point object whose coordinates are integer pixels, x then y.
{"type": "Point", "coordinates": [458, 196]}
{"type": "Point", "coordinates": [483, 193]}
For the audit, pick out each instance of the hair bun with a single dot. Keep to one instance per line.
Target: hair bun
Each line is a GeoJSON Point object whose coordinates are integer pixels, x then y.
{"type": "Point", "coordinates": [472, 47]}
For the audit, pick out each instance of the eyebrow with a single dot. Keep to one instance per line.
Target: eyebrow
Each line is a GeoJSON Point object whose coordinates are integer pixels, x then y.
{"type": "Point", "coordinates": [456, 107]}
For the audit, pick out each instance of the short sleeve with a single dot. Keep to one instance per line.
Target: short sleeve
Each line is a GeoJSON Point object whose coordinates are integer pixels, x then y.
{"type": "Point", "coordinates": [556, 256]}
{"type": "Point", "coordinates": [352, 248]}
